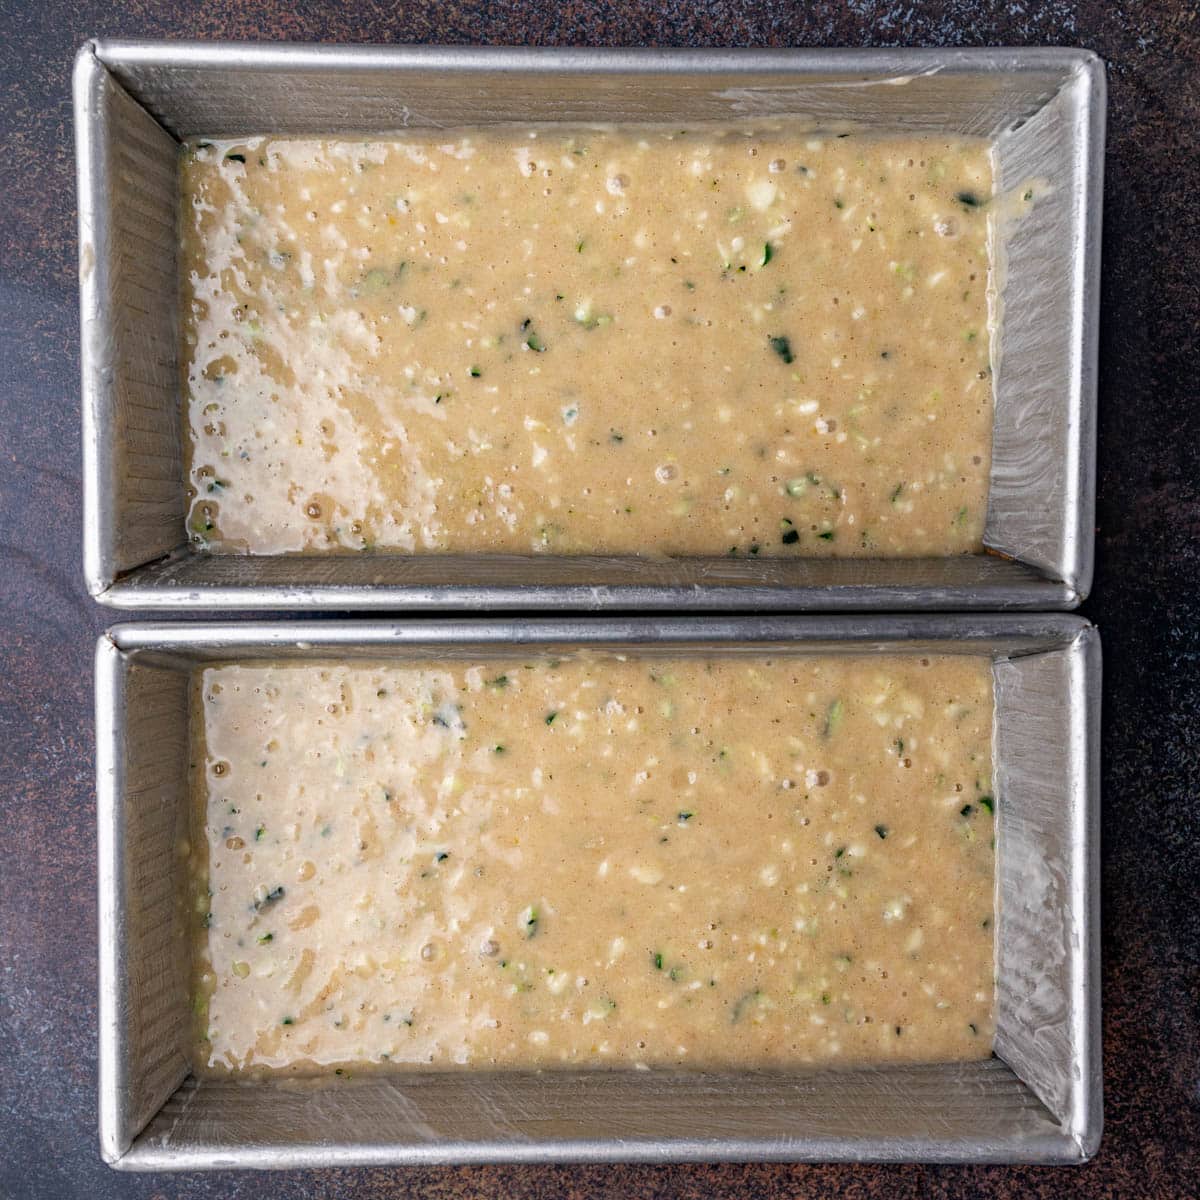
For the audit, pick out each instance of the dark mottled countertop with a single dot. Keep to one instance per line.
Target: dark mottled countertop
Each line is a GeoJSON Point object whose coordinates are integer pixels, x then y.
{"type": "Point", "coordinates": [1145, 597]}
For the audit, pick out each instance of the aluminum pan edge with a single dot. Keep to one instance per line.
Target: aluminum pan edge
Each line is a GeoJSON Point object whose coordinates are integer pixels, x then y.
{"type": "Point", "coordinates": [113, 1066]}
{"type": "Point", "coordinates": [1047, 1150]}
{"type": "Point", "coordinates": [1030, 597]}
{"type": "Point", "coordinates": [1080, 552]}
{"type": "Point", "coordinates": [871, 630]}
{"type": "Point", "coordinates": [1087, 1107]}
{"type": "Point", "coordinates": [91, 185]}
{"type": "Point", "coordinates": [119, 53]}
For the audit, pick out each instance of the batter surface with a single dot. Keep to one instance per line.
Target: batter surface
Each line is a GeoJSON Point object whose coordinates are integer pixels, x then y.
{"type": "Point", "coordinates": [660, 341]}
{"type": "Point", "coordinates": [735, 862]}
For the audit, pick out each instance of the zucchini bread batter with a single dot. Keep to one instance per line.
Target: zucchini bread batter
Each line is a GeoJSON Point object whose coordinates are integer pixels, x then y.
{"type": "Point", "coordinates": [742, 861]}
{"type": "Point", "coordinates": [760, 341]}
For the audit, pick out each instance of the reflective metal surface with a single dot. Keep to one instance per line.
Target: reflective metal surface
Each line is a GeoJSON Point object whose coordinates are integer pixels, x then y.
{"type": "Point", "coordinates": [1043, 109]}
{"type": "Point", "coordinates": [1038, 1100]}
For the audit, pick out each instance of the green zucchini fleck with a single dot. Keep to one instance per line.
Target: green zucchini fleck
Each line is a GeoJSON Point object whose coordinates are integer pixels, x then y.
{"type": "Point", "coordinates": [550, 716]}
{"type": "Point", "coordinates": [882, 830]}
{"type": "Point", "coordinates": [274, 895]}
{"type": "Point", "coordinates": [988, 803]}
{"type": "Point", "coordinates": [744, 1004]}
{"type": "Point", "coordinates": [783, 347]}
{"type": "Point", "coordinates": [590, 320]}
{"type": "Point", "coordinates": [375, 280]}
{"type": "Point", "coordinates": [529, 921]}
{"type": "Point", "coordinates": [833, 717]}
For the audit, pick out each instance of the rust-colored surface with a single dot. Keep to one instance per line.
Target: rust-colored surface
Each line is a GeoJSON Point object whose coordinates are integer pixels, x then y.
{"type": "Point", "coordinates": [1145, 597]}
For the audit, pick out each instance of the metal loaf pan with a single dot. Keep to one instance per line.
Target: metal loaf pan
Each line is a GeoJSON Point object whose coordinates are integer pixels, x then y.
{"type": "Point", "coordinates": [1038, 1100]}
{"type": "Point", "coordinates": [1043, 109]}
